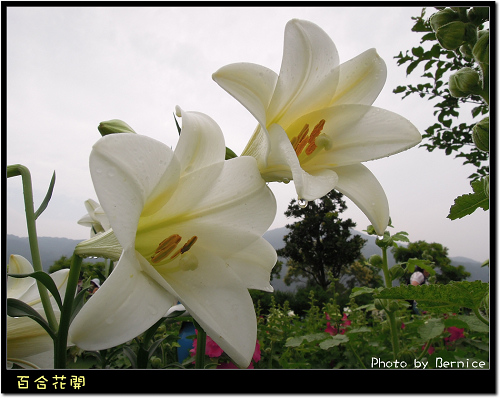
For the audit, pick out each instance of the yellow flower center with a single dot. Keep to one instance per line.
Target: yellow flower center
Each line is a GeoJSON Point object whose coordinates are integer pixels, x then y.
{"type": "Point", "coordinates": [306, 143]}
{"type": "Point", "coordinates": [163, 254]}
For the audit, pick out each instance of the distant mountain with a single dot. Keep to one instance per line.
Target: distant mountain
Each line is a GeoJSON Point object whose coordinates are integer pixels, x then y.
{"type": "Point", "coordinates": [275, 238]}
{"type": "Point", "coordinates": [51, 249]}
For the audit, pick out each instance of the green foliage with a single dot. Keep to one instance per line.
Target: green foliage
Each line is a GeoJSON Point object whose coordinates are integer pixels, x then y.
{"type": "Point", "coordinates": [468, 203]}
{"type": "Point", "coordinates": [88, 271]}
{"type": "Point", "coordinates": [320, 242]}
{"type": "Point", "coordinates": [434, 253]}
{"type": "Point", "coordinates": [450, 297]}
{"type": "Point", "coordinates": [446, 47]}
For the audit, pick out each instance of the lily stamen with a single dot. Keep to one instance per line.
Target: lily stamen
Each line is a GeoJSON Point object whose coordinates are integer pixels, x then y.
{"type": "Point", "coordinates": [167, 246]}
{"type": "Point", "coordinates": [312, 139]}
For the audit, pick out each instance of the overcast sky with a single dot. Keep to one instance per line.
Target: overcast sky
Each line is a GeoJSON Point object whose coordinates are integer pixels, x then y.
{"type": "Point", "coordinates": [69, 68]}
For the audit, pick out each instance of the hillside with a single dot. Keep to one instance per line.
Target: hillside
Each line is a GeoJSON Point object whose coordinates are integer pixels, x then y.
{"type": "Point", "coordinates": [51, 249]}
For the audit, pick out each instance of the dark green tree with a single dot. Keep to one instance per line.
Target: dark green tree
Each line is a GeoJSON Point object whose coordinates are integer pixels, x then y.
{"type": "Point", "coordinates": [437, 254]}
{"type": "Point", "coordinates": [320, 242]}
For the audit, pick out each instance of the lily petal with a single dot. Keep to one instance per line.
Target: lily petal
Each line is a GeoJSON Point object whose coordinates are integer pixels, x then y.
{"type": "Point", "coordinates": [361, 79]}
{"type": "Point", "coordinates": [18, 286]}
{"type": "Point", "coordinates": [230, 198]}
{"type": "Point", "coordinates": [252, 85]}
{"type": "Point", "coordinates": [253, 265]}
{"type": "Point", "coordinates": [359, 133]}
{"type": "Point", "coordinates": [309, 185]}
{"type": "Point", "coordinates": [308, 74]}
{"type": "Point", "coordinates": [362, 187]}
{"type": "Point", "coordinates": [25, 338]}
{"type": "Point", "coordinates": [133, 302]}
{"type": "Point", "coordinates": [118, 164]}
{"type": "Point", "coordinates": [214, 295]}
{"type": "Point", "coordinates": [201, 142]}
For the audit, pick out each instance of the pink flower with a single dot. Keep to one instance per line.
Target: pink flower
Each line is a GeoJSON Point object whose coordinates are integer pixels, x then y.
{"type": "Point", "coordinates": [430, 350]}
{"type": "Point", "coordinates": [346, 322]}
{"type": "Point", "coordinates": [329, 329]}
{"type": "Point", "coordinates": [403, 325]}
{"type": "Point", "coordinates": [456, 333]}
{"type": "Point", "coordinates": [212, 349]}
{"type": "Point", "coordinates": [256, 354]}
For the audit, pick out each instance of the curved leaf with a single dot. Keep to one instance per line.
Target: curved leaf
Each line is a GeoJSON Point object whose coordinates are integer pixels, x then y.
{"type": "Point", "coordinates": [46, 280]}
{"type": "Point", "coordinates": [17, 308]}
{"type": "Point", "coordinates": [46, 200]}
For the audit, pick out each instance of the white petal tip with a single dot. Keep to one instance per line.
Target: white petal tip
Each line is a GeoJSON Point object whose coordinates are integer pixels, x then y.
{"type": "Point", "coordinates": [178, 111]}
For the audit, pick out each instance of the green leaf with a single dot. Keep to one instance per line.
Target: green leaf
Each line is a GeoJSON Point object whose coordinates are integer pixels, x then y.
{"type": "Point", "coordinates": [16, 309]}
{"type": "Point", "coordinates": [46, 200]}
{"type": "Point", "coordinates": [468, 203]}
{"type": "Point", "coordinates": [432, 328]}
{"type": "Point", "coordinates": [297, 341]}
{"type": "Point", "coordinates": [131, 355]}
{"type": "Point", "coordinates": [451, 296]}
{"type": "Point", "coordinates": [334, 341]}
{"type": "Point", "coordinates": [424, 264]}
{"type": "Point", "coordinates": [362, 329]}
{"type": "Point", "coordinates": [177, 124]}
{"type": "Point", "coordinates": [46, 280]}
{"type": "Point", "coordinates": [230, 154]}
{"type": "Point", "coordinates": [474, 324]}
{"type": "Point", "coordinates": [357, 291]}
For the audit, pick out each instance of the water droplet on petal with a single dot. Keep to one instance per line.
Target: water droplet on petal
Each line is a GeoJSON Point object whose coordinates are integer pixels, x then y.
{"type": "Point", "coordinates": [303, 203]}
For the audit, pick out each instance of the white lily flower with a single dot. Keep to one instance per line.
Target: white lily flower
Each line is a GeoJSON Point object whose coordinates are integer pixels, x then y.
{"type": "Point", "coordinates": [96, 219]}
{"type": "Point", "coordinates": [190, 225]}
{"type": "Point", "coordinates": [316, 122]}
{"type": "Point", "coordinates": [28, 344]}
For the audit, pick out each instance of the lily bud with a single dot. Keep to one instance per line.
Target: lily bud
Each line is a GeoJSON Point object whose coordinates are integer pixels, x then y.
{"type": "Point", "coordinates": [442, 18]}
{"type": "Point", "coordinates": [452, 35]}
{"type": "Point", "coordinates": [104, 245]}
{"type": "Point", "coordinates": [114, 126]}
{"type": "Point", "coordinates": [481, 134]}
{"type": "Point", "coordinates": [464, 82]}
{"type": "Point", "coordinates": [481, 50]}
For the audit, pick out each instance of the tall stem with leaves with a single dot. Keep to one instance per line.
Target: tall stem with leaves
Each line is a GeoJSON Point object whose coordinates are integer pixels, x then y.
{"type": "Point", "coordinates": [31, 216]}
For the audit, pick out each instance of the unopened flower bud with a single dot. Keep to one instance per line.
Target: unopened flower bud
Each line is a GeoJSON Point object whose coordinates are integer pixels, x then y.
{"type": "Point", "coordinates": [464, 82]}
{"type": "Point", "coordinates": [466, 50]}
{"type": "Point", "coordinates": [481, 134]}
{"type": "Point", "coordinates": [486, 185]}
{"type": "Point", "coordinates": [104, 245]}
{"type": "Point", "coordinates": [452, 35]}
{"type": "Point", "coordinates": [393, 306]}
{"type": "Point", "coordinates": [114, 126]}
{"type": "Point", "coordinates": [443, 17]}
{"type": "Point", "coordinates": [481, 50]}
{"type": "Point", "coordinates": [477, 15]}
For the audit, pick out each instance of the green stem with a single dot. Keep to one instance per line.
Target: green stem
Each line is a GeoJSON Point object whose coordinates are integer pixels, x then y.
{"type": "Point", "coordinates": [200, 346]}
{"type": "Point", "coordinates": [69, 296]}
{"type": "Point", "coordinates": [394, 333]}
{"type": "Point", "coordinates": [385, 268]}
{"type": "Point", "coordinates": [424, 351]}
{"type": "Point", "coordinates": [12, 171]}
{"type": "Point", "coordinates": [481, 318]}
{"type": "Point", "coordinates": [356, 355]}
{"type": "Point", "coordinates": [390, 315]}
